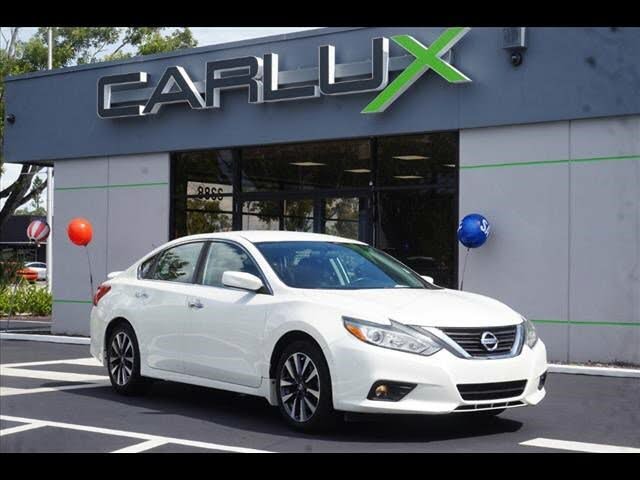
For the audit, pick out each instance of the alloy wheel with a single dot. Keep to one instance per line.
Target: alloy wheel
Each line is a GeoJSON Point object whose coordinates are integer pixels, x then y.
{"type": "Point", "coordinates": [121, 357]}
{"type": "Point", "coordinates": [299, 385]}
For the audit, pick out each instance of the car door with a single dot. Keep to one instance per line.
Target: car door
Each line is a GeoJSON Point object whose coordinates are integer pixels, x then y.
{"type": "Point", "coordinates": [160, 309]}
{"type": "Point", "coordinates": [225, 327]}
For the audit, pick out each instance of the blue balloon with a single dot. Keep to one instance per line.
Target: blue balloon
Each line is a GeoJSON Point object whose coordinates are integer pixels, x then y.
{"type": "Point", "coordinates": [474, 230]}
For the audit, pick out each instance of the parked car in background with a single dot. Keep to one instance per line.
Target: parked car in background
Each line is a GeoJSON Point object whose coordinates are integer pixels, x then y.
{"type": "Point", "coordinates": [317, 325]}
{"type": "Point", "coordinates": [39, 267]}
{"type": "Point", "coordinates": [28, 274]}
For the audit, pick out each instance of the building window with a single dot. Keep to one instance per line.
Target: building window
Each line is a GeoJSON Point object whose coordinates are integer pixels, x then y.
{"type": "Point", "coordinates": [306, 166]}
{"type": "Point", "coordinates": [202, 192]}
{"type": "Point", "coordinates": [399, 193]}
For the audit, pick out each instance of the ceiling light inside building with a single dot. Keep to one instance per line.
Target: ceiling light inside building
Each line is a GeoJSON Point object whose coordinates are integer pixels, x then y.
{"type": "Point", "coordinates": [358, 170]}
{"type": "Point", "coordinates": [407, 177]}
{"type": "Point", "coordinates": [307, 164]}
{"type": "Point", "coordinates": [411, 157]}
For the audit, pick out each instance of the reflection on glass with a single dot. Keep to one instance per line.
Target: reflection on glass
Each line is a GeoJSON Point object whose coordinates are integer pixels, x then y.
{"type": "Point", "coordinates": [418, 228]}
{"type": "Point", "coordinates": [306, 166]}
{"type": "Point", "coordinates": [341, 217]}
{"type": "Point", "coordinates": [224, 257]}
{"type": "Point", "coordinates": [426, 159]}
{"type": "Point", "coordinates": [178, 264]}
{"type": "Point", "coordinates": [261, 215]}
{"type": "Point", "coordinates": [202, 196]}
{"type": "Point", "coordinates": [298, 215]}
{"type": "Point", "coordinates": [208, 222]}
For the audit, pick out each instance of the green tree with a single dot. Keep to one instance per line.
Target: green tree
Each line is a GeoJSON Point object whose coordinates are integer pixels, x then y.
{"type": "Point", "coordinates": [72, 46]}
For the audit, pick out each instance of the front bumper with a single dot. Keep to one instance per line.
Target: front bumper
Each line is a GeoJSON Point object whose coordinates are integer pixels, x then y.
{"type": "Point", "coordinates": [357, 366]}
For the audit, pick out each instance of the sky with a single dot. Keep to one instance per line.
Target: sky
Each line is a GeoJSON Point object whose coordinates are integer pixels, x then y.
{"type": "Point", "coordinates": [204, 36]}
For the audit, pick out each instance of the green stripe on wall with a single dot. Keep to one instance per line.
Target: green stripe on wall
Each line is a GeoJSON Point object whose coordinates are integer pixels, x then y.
{"type": "Point", "coordinates": [123, 185]}
{"type": "Point", "coordinates": [550, 162]}
{"type": "Point", "coordinates": [599, 324]}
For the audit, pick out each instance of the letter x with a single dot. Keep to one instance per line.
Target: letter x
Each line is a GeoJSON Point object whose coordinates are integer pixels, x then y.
{"type": "Point", "coordinates": [426, 58]}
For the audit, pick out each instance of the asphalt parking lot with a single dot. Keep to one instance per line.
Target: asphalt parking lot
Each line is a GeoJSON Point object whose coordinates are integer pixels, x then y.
{"type": "Point", "coordinates": [55, 398]}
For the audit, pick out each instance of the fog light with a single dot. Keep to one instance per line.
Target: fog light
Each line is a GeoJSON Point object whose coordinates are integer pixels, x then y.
{"type": "Point", "coordinates": [543, 378]}
{"type": "Point", "coordinates": [381, 391]}
{"type": "Point", "coordinates": [384, 390]}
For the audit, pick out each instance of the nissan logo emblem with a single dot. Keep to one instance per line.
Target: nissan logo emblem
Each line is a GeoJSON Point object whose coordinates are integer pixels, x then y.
{"type": "Point", "coordinates": [489, 341]}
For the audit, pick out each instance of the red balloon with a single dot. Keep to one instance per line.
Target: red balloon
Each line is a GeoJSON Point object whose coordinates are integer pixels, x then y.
{"type": "Point", "coordinates": [80, 231]}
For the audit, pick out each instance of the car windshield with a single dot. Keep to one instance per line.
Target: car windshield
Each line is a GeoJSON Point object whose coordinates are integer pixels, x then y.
{"type": "Point", "coordinates": [338, 266]}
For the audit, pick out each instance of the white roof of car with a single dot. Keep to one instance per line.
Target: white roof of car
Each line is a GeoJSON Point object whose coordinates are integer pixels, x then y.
{"type": "Point", "coordinates": [255, 236]}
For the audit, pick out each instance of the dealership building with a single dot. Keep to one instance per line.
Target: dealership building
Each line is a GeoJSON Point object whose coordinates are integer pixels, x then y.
{"type": "Point", "coordinates": [388, 135]}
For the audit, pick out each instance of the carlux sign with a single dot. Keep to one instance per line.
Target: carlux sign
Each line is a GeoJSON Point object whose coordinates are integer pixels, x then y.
{"type": "Point", "coordinates": [261, 77]}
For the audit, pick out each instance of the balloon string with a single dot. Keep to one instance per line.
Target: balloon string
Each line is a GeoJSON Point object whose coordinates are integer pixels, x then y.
{"type": "Point", "coordinates": [86, 249]}
{"type": "Point", "coordinates": [464, 268]}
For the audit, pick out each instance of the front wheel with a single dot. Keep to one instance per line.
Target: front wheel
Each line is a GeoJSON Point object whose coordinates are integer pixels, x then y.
{"type": "Point", "coordinates": [303, 388]}
{"type": "Point", "coordinates": [123, 361]}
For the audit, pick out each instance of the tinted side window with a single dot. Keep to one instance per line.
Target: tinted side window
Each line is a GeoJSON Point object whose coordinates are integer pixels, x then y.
{"type": "Point", "coordinates": [145, 267]}
{"type": "Point", "coordinates": [178, 263]}
{"type": "Point", "coordinates": [223, 257]}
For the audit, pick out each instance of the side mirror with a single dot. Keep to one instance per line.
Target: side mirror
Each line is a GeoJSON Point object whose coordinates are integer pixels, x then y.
{"type": "Point", "coordinates": [242, 280]}
{"type": "Point", "coordinates": [428, 278]}
{"type": "Point", "coordinates": [113, 275]}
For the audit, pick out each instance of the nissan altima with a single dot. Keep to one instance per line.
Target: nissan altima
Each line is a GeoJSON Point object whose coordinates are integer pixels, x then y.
{"type": "Point", "coordinates": [315, 324]}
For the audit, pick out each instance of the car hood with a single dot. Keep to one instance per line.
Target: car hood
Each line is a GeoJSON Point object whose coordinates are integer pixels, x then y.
{"type": "Point", "coordinates": [435, 308]}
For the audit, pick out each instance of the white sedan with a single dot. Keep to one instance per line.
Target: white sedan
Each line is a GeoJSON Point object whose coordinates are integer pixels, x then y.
{"type": "Point", "coordinates": [317, 325]}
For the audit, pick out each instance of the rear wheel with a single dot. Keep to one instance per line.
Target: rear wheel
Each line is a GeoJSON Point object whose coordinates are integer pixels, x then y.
{"type": "Point", "coordinates": [123, 361]}
{"type": "Point", "coordinates": [303, 388]}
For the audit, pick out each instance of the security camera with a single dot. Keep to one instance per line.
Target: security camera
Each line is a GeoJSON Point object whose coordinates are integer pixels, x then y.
{"type": "Point", "coordinates": [514, 41]}
{"type": "Point", "coordinates": [516, 58]}
{"type": "Point", "coordinates": [11, 118]}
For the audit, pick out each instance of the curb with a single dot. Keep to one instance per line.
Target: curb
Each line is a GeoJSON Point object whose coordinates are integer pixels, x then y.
{"type": "Point", "coordinates": [598, 371]}
{"type": "Point", "coordinates": [45, 338]}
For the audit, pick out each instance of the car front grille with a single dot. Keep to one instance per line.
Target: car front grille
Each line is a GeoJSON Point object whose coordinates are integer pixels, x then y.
{"type": "Point", "coordinates": [491, 391]}
{"type": "Point", "coordinates": [469, 339]}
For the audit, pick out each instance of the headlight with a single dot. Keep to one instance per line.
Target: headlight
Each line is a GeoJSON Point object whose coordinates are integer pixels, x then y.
{"type": "Point", "coordinates": [530, 335]}
{"type": "Point", "coordinates": [395, 336]}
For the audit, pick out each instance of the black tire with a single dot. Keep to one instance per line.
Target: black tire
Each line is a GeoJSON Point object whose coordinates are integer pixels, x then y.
{"type": "Point", "coordinates": [119, 366]}
{"type": "Point", "coordinates": [323, 417]}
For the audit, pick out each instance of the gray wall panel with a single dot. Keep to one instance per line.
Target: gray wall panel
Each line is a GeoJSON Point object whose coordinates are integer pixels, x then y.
{"type": "Point", "coordinates": [129, 218]}
{"type": "Point", "coordinates": [525, 261]}
{"type": "Point", "coordinates": [71, 287]}
{"type": "Point", "coordinates": [605, 238]}
{"type": "Point", "coordinates": [556, 339]}
{"type": "Point", "coordinates": [71, 319]}
{"type": "Point", "coordinates": [138, 216]}
{"type": "Point", "coordinates": [607, 343]}
{"type": "Point", "coordinates": [566, 240]}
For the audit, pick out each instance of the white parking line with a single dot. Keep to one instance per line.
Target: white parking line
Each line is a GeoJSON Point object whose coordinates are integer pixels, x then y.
{"type": "Point", "coordinates": [45, 338]}
{"type": "Point", "coordinates": [140, 436]}
{"type": "Point", "coordinates": [578, 446]}
{"type": "Point", "coordinates": [141, 447]}
{"type": "Point", "coordinates": [88, 362]}
{"type": "Point", "coordinates": [21, 428]}
{"type": "Point", "coordinates": [8, 391]}
{"type": "Point", "coordinates": [49, 375]}
{"type": "Point", "coordinates": [16, 370]}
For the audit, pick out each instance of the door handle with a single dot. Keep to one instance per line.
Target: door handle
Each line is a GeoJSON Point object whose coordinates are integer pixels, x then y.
{"type": "Point", "coordinates": [141, 295]}
{"type": "Point", "coordinates": [195, 304]}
